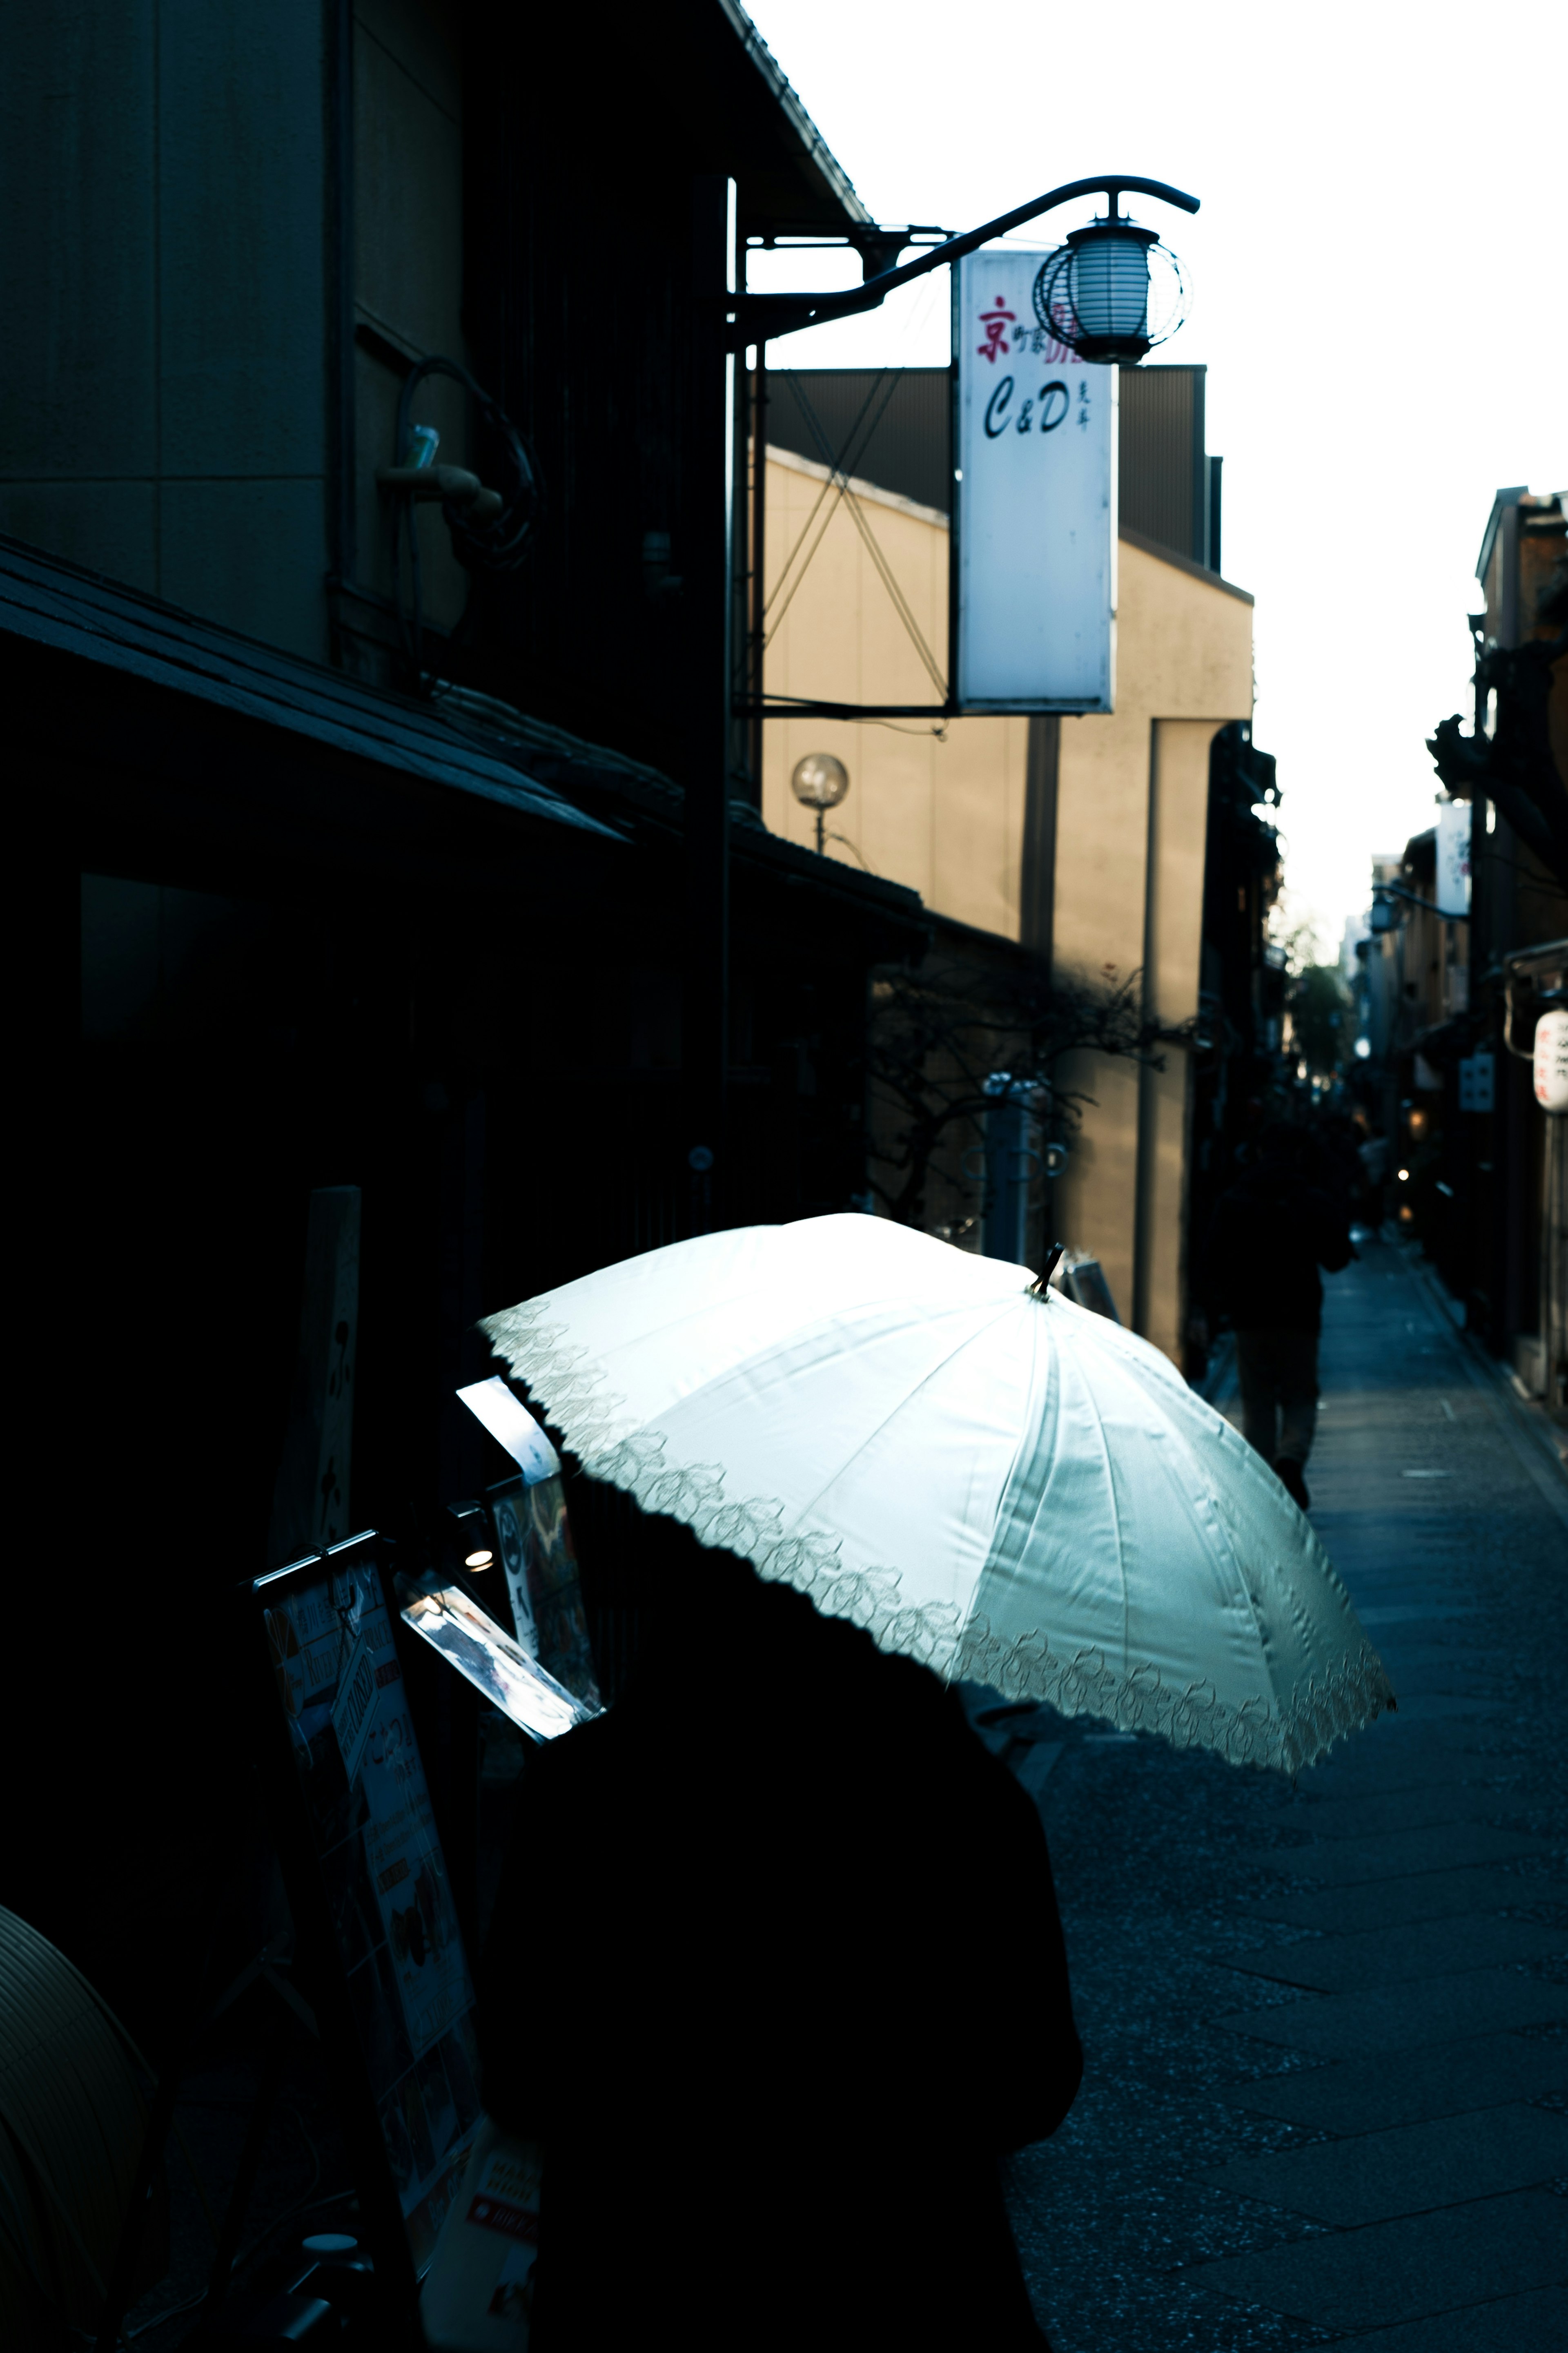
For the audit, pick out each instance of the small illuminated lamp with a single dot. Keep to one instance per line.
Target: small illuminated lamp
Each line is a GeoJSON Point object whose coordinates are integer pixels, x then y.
{"type": "Point", "coordinates": [820, 782]}
{"type": "Point", "coordinates": [1405, 1176]}
{"type": "Point", "coordinates": [1112, 292]}
{"type": "Point", "coordinates": [473, 1536]}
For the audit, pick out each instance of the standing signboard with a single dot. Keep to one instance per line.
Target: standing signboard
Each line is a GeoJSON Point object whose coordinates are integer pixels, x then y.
{"type": "Point", "coordinates": [1033, 552]}
{"type": "Point", "coordinates": [367, 1883]}
{"type": "Point", "coordinates": [447, 2197]}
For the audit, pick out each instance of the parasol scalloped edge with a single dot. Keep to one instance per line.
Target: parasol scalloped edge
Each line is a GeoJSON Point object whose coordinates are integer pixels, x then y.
{"type": "Point", "coordinates": [573, 1393]}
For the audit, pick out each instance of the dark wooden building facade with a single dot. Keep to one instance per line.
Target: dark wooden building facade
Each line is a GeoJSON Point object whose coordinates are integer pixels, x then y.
{"type": "Point", "coordinates": [309, 903]}
{"type": "Point", "coordinates": [1451, 1008]}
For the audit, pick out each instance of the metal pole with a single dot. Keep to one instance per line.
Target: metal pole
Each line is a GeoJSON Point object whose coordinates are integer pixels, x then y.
{"type": "Point", "coordinates": [757, 554]}
{"type": "Point", "coordinates": [707, 507]}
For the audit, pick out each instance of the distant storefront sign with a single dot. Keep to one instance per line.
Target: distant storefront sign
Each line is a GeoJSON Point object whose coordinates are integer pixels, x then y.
{"type": "Point", "coordinates": [1477, 1081]}
{"type": "Point", "coordinates": [1453, 858]}
{"type": "Point", "coordinates": [1551, 1061]}
{"type": "Point", "coordinates": [1034, 502]}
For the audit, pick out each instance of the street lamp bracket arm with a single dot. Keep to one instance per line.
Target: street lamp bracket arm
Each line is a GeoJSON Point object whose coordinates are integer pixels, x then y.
{"type": "Point", "coordinates": [755, 317]}
{"type": "Point", "coordinates": [1397, 890]}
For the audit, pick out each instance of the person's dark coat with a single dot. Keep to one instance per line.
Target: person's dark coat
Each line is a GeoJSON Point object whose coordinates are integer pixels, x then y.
{"type": "Point", "coordinates": [1267, 1239]}
{"type": "Point", "coordinates": [775, 1975]}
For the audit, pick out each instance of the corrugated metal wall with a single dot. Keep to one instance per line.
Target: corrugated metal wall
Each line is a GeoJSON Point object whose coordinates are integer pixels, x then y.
{"type": "Point", "coordinates": [1165, 471]}
{"type": "Point", "coordinates": [892, 427]}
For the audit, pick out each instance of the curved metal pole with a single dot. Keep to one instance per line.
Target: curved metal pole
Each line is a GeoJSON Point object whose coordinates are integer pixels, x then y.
{"type": "Point", "coordinates": [759, 317]}
{"type": "Point", "coordinates": [1397, 891]}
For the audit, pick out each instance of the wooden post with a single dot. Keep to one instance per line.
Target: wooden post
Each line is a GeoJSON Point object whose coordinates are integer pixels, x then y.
{"type": "Point", "coordinates": [311, 1500]}
{"type": "Point", "coordinates": [707, 589]}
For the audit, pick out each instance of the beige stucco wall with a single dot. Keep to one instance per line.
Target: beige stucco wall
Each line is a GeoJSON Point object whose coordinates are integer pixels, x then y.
{"type": "Point", "coordinates": [1132, 801]}
{"type": "Point", "coordinates": [944, 815]}
{"type": "Point", "coordinates": [947, 817]}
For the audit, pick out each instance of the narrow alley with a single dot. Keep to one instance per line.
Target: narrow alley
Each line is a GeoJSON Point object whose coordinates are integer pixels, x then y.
{"type": "Point", "coordinates": [1327, 2027]}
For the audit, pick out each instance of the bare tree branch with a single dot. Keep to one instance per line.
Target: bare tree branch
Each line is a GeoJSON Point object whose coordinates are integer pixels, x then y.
{"type": "Point", "coordinates": [939, 1031]}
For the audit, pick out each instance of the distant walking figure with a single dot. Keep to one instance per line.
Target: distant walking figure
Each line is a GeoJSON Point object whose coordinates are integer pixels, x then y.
{"type": "Point", "coordinates": [1269, 1236]}
{"type": "Point", "coordinates": [745, 1982]}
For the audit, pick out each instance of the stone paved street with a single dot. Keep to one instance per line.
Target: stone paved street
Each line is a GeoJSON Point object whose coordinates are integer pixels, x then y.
{"type": "Point", "coordinates": [1327, 2027]}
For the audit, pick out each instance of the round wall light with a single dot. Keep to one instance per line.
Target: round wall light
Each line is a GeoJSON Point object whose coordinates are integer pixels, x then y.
{"type": "Point", "coordinates": [820, 782]}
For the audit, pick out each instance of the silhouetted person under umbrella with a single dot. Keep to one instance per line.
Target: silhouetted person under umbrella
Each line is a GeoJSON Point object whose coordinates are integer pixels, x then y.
{"type": "Point", "coordinates": [775, 1976]}
{"type": "Point", "coordinates": [1268, 1238]}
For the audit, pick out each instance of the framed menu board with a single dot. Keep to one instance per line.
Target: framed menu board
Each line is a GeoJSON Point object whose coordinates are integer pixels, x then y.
{"type": "Point", "coordinates": [367, 1882]}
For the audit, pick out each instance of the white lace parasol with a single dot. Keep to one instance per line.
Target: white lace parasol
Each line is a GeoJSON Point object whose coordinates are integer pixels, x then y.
{"type": "Point", "coordinates": [1002, 1485]}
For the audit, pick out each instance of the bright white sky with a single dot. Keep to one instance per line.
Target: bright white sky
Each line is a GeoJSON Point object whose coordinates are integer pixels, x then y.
{"type": "Point", "coordinates": [1380, 295]}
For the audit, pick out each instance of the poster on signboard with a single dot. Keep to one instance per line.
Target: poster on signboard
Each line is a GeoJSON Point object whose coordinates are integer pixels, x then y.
{"type": "Point", "coordinates": [479, 2292]}
{"type": "Point", "coordinates": [1034, 501]}
{"type": "Point", "coordinates": [534, 1535]}
{"type": "Point", "coordinates": [384, 1878]}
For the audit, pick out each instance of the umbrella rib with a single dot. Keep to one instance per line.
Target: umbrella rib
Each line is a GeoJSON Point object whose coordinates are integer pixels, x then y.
{"type": "Point", "coordinates": [1172, 1427]}
{"type": "Point", "coordinates": [1201, 1482]}
{"type": "Point", "coordinates": [1099, 1425]}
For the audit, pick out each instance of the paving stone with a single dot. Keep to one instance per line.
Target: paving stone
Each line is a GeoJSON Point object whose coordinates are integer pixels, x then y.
{"type": "Point", "coordinates": [1429, 1895]}
{"type": "Point", "coordinates": [1411, 1604]}
{"type": "Point", "coordinates": [1424, 1706]}
{"type": "Point", "coordinates": [1371, 2095]}
{"type": "Point", "coordinates": [1405, 2269]}
{"type": "Point", "coordinates": [1343, 1862]}
{"type": "Point", "coordinates": [1449, 2162]}
{"type": "Point", "coordinates": [1421, 1762]}
{"type": "Point", "coordinates": [1514, 2324]}
{"type": "Point", "coordinates": [1442, 1667]}
{"type": "Point", "coordinates": [1391, 1737]}
{"type": "Point", "coordinates": [1448, 1645]}
{"type": "Point", "coordinates": [1371, 1816]}
{"type": "Point", "coordinates": [1125, 2249]}
{"type": "Point", "coordinates": [1405, 2017]}
{"type": "Point", "coordinates": [1418, 1610]}
{"type": "Point", "coordinates": [1384, 1956]}
{"type": "Point", "coordinates": [1430, 1694]}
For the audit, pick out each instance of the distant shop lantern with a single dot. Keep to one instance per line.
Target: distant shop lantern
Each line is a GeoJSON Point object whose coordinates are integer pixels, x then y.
{"type": "Point", "coordinates": [820, 782]}
{"type": "Point", "coordinates": [1452, 860]}
{"type": "Point", "coordinates": [1551, 1061]}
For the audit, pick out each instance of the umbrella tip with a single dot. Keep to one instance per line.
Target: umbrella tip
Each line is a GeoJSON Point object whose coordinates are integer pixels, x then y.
{"type": "Point", "coordinates": [1042, 1281]}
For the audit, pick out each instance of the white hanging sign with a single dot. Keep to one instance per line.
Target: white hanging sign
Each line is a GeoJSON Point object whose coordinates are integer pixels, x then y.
{"type": "Point", "coordinates": [1551, 1061]}
{"type": "Point", "coordinates": [1034, 504]}
{"type": "Point", "coordinates": [1453, 858]}
{"type": "Point", "coordinates": [509, 1422]}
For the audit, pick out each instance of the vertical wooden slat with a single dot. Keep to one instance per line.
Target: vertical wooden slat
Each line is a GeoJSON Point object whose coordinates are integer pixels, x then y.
{"type": "Point", "coordinates": [310, 1500]}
